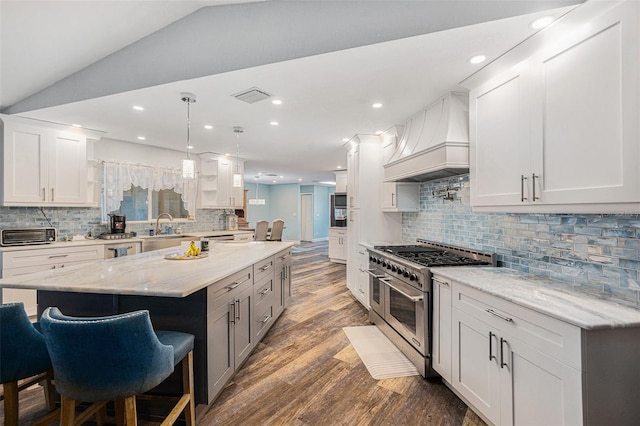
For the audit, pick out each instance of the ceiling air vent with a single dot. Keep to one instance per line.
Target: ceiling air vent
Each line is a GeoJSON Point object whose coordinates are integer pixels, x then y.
{"type": "Point", "coordinates": [251, 96]}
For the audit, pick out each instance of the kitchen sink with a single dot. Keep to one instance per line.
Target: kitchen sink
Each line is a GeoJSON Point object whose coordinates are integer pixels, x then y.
{"type": "Point", "coordinates": [158, 242]}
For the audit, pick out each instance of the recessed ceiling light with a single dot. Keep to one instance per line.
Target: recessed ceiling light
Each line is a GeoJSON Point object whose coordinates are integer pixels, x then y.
{"type": "Point", "coordinates": [345, 139]}
{"type": "Point", "coordinates": [299, 180]}
{"type": "Point", "coordinates": [379, 132]}
{"type": "Point", "coordinates": [276, 102]}
{"type": "Point", "coordinates": [76, 125]}
{"type": "Point", "coordinates": [227, 154]}
{"type": "Point", "coordinates": [338, 167]}
{"type": "Point", "coordinates": [274, 123]}
{"type": "Point", "coordinates": [138, 108]}
{"type": "Point", "coordinates": [142, 138]}
{"type": "Point", "coordinates": [478, 59]}
{"type": "Point", "coordinates": [208, 126]}
{"type": "Point", "coordinates": [189, 146]}
{"type": "Point", "coordinates": [275, 181]}
{"type": "Point", "coordinates": [281, 177]}
{"type": "Point", "coordinates": [377, 105]}
{"type": "Point", "coordinates": [541, 22]}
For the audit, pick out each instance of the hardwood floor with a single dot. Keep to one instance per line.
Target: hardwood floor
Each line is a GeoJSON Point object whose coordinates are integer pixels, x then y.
{"type": "Point", "coordinates": [305, 372]}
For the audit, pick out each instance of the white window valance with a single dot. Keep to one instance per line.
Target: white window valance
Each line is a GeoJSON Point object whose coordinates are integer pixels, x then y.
{"type": "Point", "coordinates": [119, 177]}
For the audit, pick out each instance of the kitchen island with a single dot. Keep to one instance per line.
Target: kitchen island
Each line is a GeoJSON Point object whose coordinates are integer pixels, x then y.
{"type": "Point", "coordinates": [228, 299]}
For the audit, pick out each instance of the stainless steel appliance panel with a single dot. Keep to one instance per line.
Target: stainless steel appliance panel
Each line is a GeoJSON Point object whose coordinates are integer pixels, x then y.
{"type": "Point", "coordinates": [27, 236]}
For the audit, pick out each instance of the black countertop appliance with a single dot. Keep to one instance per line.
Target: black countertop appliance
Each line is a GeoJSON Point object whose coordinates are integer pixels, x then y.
{"type": "Point", "coordinates": [117, 223]}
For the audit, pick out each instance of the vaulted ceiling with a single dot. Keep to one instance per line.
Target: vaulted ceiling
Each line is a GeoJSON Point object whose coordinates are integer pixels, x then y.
{"type": "Point", "coordinates": [89, 62]}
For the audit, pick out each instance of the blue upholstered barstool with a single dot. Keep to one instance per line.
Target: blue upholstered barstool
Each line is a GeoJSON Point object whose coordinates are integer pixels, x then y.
{"type": "Point", "coordinates": [115, 358]}
{"type": "Point", "coordinates": [23, 354]}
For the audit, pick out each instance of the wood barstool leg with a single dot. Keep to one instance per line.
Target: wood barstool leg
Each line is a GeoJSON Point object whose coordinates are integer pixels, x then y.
{"type": "Point", "coordinates": [49, 391]}
{"type": "Point", "coordinates": [101, 415]}
{"type": "Point", "coordinates": [11, 403]}
{"type": "Point", "coordinates": [130, 411]}
{"type": "Point", "coordinates": [187, 386]}
{"type": "Point", "coordinates": [119, 406]}
{"type": "Point", "coordinates": [67, 411]}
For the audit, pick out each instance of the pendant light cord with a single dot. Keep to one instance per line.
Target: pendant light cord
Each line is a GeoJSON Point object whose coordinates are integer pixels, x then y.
{"type": "Point", "coordinates": [188, 130]}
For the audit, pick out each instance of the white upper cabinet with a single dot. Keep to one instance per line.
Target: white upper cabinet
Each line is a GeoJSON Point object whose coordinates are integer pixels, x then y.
{"type": "Point", "coordinates": [400, 197]}
{"type": "Point", "coordinates": [43, 166]}
{"type": "Point", "coordinates": [341, 181]}
{"type": "Point", "coordinates": [216, 188]}
{"type": "Point", "coordinates": [353, 177]}
{"type": "Point", "coordinates": [559, 132]}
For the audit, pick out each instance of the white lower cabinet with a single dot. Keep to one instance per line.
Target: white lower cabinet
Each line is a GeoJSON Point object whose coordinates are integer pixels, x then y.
{"type": "Point", "coordinates": [363, 277]}
{"type": "Point", "coordinates": [441, 349]}
{"type": "Point", "coordinates": [36, 259]}
{"type": "Point", "coordinates": [514, 366]}
{"type": "Point", "coordinates": [338, 245]}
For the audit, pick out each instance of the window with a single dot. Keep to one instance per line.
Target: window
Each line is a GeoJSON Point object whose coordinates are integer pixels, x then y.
{"type": "Point", "coordinates": [135, 204]}
{"type": "Point", "coordinates": [143, 192]}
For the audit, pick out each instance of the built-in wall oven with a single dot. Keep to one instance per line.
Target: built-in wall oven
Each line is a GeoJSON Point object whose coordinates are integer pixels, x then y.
{"type": "Point", "coordinates": [400, 293]}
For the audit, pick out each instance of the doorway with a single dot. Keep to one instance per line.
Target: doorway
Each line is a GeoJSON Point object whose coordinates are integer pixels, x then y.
{"type": "Point", "coordinates": [306, 213]}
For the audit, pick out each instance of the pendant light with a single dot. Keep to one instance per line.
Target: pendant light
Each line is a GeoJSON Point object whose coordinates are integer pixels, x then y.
{"type": "Point", "coordinates": [237, 177]}
{"type": "Point", "coordinates": [188, 165]}
{"type": "Point", "coordinates": [257, 201]}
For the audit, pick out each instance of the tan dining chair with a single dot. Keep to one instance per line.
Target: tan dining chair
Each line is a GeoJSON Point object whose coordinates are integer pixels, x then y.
{"type": "Point", "coordinates": [262, 227]}
{"type": "Point", "coordinates": [276, 230]}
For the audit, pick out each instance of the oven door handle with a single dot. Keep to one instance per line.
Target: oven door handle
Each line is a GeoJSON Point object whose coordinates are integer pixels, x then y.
{"type": "Point", "coordinates": [412, 298]}
{"type": "Point", "coordinates": [370, 272]}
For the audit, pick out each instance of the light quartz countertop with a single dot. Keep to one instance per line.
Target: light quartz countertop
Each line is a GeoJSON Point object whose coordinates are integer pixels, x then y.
{"type": "Point", "coordinates": [150, 274]}
{"type": "Point", "coordinates": [139, 238]}
{"type": "Point", "coordinates": [550, 297]}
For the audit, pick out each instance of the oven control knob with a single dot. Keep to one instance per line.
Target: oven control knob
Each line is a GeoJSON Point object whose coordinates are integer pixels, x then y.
{"type": "Point", "coordinates": [384, 263]}
{"type": "Point", "coordinates": [413, 277]}
{"type": "Point", "coordinates": [388, 265]}
{"type": "Point", "coordinates": [378, 260]}
{"type": "Point", "coordinates": [405, 273]}
{"type": "Point", "coordinates": [394, 268]}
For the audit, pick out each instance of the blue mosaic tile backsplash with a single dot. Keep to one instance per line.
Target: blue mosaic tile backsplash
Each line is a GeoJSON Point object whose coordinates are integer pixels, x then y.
{"type": "Point", "coordinates": [598, 252]}
{"type": "Point", "coordinates": [86, 221]}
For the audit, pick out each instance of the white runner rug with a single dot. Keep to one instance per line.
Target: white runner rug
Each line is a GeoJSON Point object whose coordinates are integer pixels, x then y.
{"type": "Point", "coordinates": [379, 355]}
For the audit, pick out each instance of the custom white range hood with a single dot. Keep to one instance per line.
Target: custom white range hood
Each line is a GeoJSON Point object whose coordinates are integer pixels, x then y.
{"type": "Point", "coordinates": [434, 143]}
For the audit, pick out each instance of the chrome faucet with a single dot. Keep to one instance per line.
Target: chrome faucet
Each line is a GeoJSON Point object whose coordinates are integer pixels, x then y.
{"type": "Point", "coordinates": [158, 229]}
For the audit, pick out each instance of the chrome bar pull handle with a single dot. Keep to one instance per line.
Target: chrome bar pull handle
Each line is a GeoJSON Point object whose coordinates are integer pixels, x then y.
{"type": "Point", "coordinates": [502, 363]}
{"type": "Point", "coordinates": [533, 185]}
{"type": "Point", "coordinates": [51, 194]}
{"type": "Point", "coordinates": [494, 313]}
{"type": "Point", "coordinates": [491, 355]}
{"type": "Point", "coordinates": [232, 318]}
{"type": "Point", "coordinates": [522, 179]}
{"type": "Point", "coordinates": [44, 194]}
{"type": "Point", "coordinates": [446, 284]}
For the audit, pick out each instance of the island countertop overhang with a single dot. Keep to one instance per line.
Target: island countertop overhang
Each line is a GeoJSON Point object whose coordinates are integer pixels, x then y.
{"type": "Point", "coordinates": [150, 274]}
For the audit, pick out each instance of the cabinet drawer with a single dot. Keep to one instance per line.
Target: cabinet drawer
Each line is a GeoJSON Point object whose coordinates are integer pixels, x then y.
{"type": "Point", "coordinates": [263, 291]}
{"type": "Point", "coordinates": [50, 256]}
{"type": "Point", "coordinates": [264, 268]}
{"type": "Point", "coordinates": [230, 286]}
{"type": "Point", "coordinates": [263, 320]}
{"type": "Point", "coordinates": [558, 339]}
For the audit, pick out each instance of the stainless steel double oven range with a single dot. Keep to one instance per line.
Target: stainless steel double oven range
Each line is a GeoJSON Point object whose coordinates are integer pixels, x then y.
{"type": "Point", "coordinates": [400, 290]}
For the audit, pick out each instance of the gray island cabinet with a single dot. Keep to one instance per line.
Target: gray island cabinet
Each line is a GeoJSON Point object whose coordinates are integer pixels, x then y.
{"type": "Point", "coordinates": [228, 300]}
